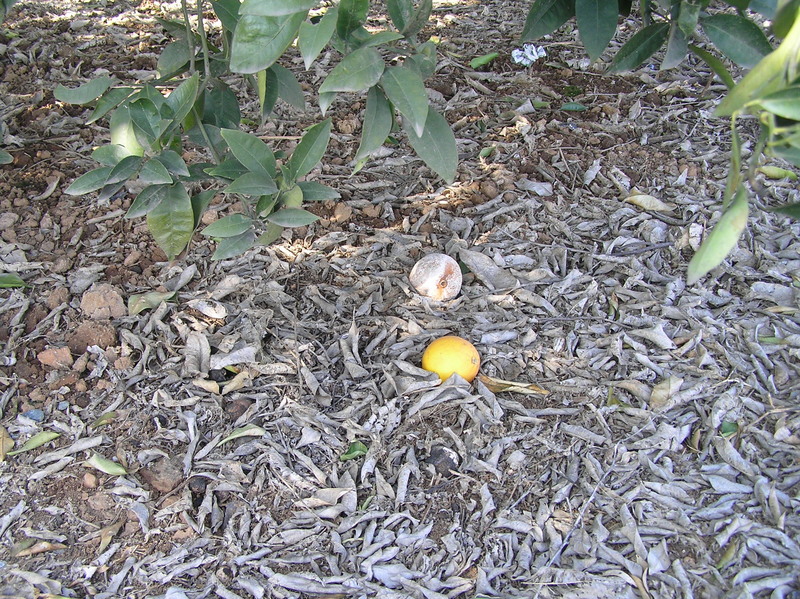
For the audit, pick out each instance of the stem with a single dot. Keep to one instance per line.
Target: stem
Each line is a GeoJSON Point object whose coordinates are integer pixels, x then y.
{"type": "Point", "coordinates": [201, 28]}
{"type": "Point", "coordinates": [189, 35]}
{"type": "Point", "coordinates": [207, 139]}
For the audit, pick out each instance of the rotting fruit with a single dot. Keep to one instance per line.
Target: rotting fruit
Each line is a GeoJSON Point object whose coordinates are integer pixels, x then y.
{"type": "Point", "coordinates": [436, 276]}
{"type": "Point", "coordinates": [452, 354]}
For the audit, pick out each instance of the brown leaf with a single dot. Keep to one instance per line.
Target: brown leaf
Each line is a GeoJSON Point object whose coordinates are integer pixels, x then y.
{"type": "Point", "coordinates": [499, 386]}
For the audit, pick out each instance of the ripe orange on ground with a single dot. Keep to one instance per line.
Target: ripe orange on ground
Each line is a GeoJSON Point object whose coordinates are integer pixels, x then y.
{"type": "Point", "coordinates": [450, 354]}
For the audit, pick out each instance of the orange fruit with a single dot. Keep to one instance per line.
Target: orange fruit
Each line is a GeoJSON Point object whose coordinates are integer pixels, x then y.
{"type": "Point", "coordinates": [450, 354]}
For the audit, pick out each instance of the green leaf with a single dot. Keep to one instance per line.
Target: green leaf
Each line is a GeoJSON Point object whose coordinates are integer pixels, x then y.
{"type": "Point", "coordinates": [310, 150]}
{"type": "Point", "coordinates": [289, 89]}
{"type": "Point", "coordinates": [147, 199]}
{"type": "Point", "coordinates": [221, 107]}
{"type": "Point", "coordinates": [325, 101]}
{"type": "Point", "coordinates": [227, 12]}
{"type": "Point", "coordinates": [482, 61]}
{"type": "Point", "coordinates": [314, 37]}
{"type": "Point", "coordinates": [173, 163]}
{"type": "Point", "coordinates": [5, 157]}
{"type": "Point", "coordinates": [406, 90]}
{"type": "Point", "coordinates": [228, 169]}
{"type": "Point", "coordinates": [154, 173]}
{"type": "Point", "coordinates": [151, 300]}
{"type": "Point", "coordinates": [36, 441]}
{"type": "Point", "coordinates": [146, 120]}
{"type": "Point", "coordinates": [573, 107]}
{"type": "Point", "coordinates": [272, 234]}
{"type": "Point", "coordinates": [122, 131]}
{"type": "Point", "coordinates": [83, 94]}
{"type": "Point", "coordinates": [173, 58]}
{"type": "Point", "coordinates": [259, 41]}
{"type": "Point", "coordinates": [775, 172]}
{"type": "Point", "coordinates": [108, 102]}
{"type": "Point", "coordinates": [378, 120]}
{"type": "Point", "coordinates": [200, 202]}
{"type": "Point", "coordinates": [436, 146]}
{"type": "Point", "coordinates": [91, 181]}
{"type": "Point", "coordinates": [785, 103]}
{"type": "Point", "coordinates": [352, 15]}
{"type": "Point", "coordinates": [597, 23]}
{"type": "Point", "coordinates": [109, 155]}
{"type": "Point", "coordinates": [400, 12]}
{"type": "Point", "coordinates": [248, 430]}
{"type": "Point", "coordinates": [267, 82]}
{"type": "Point", "coordinates": [234, 246]}
{"type": "Point", "coordinates": [171, 222]}
{"type": "Point", "coordinates": [356, 450]}
{"type": "Point", "coordinates": [317, 192]}
{"type": "Point", "coordinates": [715, 64]}
{"type": "Point", "coordinates": [124, 170]}
{"type": "Point", "coordinates": [768, 76]}
{"type": "Point", "coordinates": [381, 37]}
{"type": "Point", "coordinates": [419, 18]}
{"type": "Point", "coordinates": [253, 153]}
{"type": "Point", "coordinates": [639, 48]}
{"type": "Point", "coordinates": [228, 226]}
{"type": "Point", "coordinates": [10, 280]}
{"type": "Point", "coordinates": [424, 61]}
{"type": "Point", "coordinates": [792, 210]}
{"type": "Point", "coordinates": [677, 47]}
{"type": "Point", "coordinates": [721, 240]}
{"type": "Point", "coordinates": [266, 204]}
{"type": "Point", "coordinates": [292, 217]}
{"type": "Point", "coordinates": [182, 98]}
{"type": "Point", "coordinates": [736, 37]}
{"type": "Point", "coordinates": [688, 15]}
{"type": "Point", "coordinates": [785, 18]}
{"type": "Point", "coordinates": [275, 8]}
{"type": "Point", "coordinates": [105, 465]}
{"type": "Point", "coordinates": [253, 184]}
{"type": "Point", "coordinates": [545, 16]}
{"type": "Point", "coordinates": [358, 71]}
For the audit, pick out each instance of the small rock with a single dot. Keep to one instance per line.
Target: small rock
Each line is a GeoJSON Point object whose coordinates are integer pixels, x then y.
{"type": "Point", "coordinates": [103, 301]}
{"type": "Point", "coordinates": [164, 475]}
{"type": "Point", "coordinates": [36, 415]}
{"type": "Point", "coordinates": [89, 332]}
{"type": "Point", "coordinates": [101, 502]}
{"type": "Point", "coordinates": [89, 480]}
{"type": "Point", "coordinates": [8, 219]}
{"type": "Point", "coordinates": [55, 357]}
{"type": "Point", "coordinates": [56, 297]}
{"type": "Point", "coordinates": [66, 380]}
{"type": "Point", "coordinates": [237, 407]}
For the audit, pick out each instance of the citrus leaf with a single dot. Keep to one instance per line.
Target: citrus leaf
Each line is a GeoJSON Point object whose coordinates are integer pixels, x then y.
{"type": "Point", "coordinates": [83, 94]}
{"type": "Point", "coordinates": [227, 12]}
{"type": "Point", "coordinates": [377, 124]}
{"type": "Point", "coordinates": [738, 38]}
{"type": "Point", "coordinates": [249, 430]}
{"type": "Point", "coordinates": [785, 103]}
{"type": "Point", "coordinates": [355, 450]}
{"type": "Point", "coordinates": [597, 23]}
{"type": "Point", "coordinates": [11, 280]}
{"type": "Point", "coordinates": [275, 8]}
{"type": "Point", "coordinates": [481, 61]}
{"type": "Point", "coordinates": [5, 157]}
{"type": "Point", "coordinates": [229, 247]}
{"type": "Point", "coordinates": [289, 89]}
{"type": "Point", "coordinates": [715, 64]}
{"type": "Point", "coordinates": [314, 37]}
{"type": "Point", "coordinates": [250, 151]}
{"type": "Point", "coordinates": [171, 222]}
{"type": "Point", "coordinates": [182, 98]}
{"type": "Point", "coordinates": [253, 184]}
{"type": "Point", "coordinates": [310, 149]}
{"type": "Point", "coordinates": [352, 14]}
{"type": "Point", "coordinates": [173, 162]}
{"type": "Point", "coordinates": [122, 131]}
{"type": "Point", "coordinates": [317, 192]}
{"type": "Point", "coordinates": [545, 16]}
{"type": "Point", "coordinates": [406, 90]}
{"type": "Point", "coordinates": [173, 58]}
{"type": "Point", "coordinates": [147, 199]}
{"type": "Point", "coordinates": [358, 71]}
{"type": "Point", "coordinates": [140, 302]}
{"type": "Point", "coordinates": [228, 226]}
{"type": "Point", "coordinates": [109, 101]}
{"type": "Point", "coordinates": [677, 47]}
{"type": "Point", "coordinates": [6, 443]}
{"type": "Point", "coordinates": [292, 217]}
{"type": "Point", "coordinates": [272, 234]}
{"type": "Point", "coordinates": [792, 210]}
{"type": "Point", "coordinates": [105, 465]}
{"type": "Point", "coordinates": [639, 48]}
{"type": "Point", "coordinates": [91, 181]}
{"type": "Point", "coordinates": [37, 440]}
{"type": "Point", "coordinates": [775, 172]}
{"type": "Point", "coordinates": [259, 41]}
{"type": "Point", "coordinates": [436, 146]}
{"type": "Point", "coordinates": [721, 240]}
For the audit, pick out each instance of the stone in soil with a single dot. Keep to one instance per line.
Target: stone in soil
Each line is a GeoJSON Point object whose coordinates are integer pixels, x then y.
{"type": "Point", "coordinates": [92, 332]}
{"type": "Point", "coordinates": [55, 357]}
{"type": "Point", "coordinates": [103, 301]}
{"type": "Point", "coordinates": [163, 475]}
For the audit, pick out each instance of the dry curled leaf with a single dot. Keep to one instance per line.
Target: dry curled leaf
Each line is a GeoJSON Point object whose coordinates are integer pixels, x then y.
{"type": "Point", "coordinates": [499, 386]}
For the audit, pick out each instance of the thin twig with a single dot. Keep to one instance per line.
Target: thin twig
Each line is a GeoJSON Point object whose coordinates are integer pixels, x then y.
{"type": "Point", "coordinates": [201, 28]}
{"type": "Point", "coordinates": [189, 35]}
